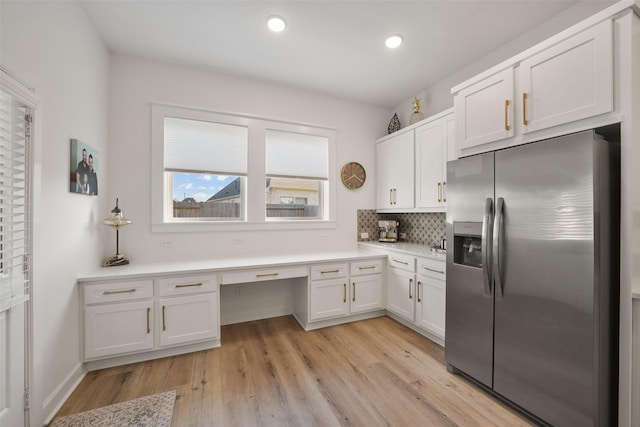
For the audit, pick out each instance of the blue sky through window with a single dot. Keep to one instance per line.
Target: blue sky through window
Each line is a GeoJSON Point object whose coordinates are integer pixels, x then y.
{"type": "Point", "coordinates": [199, 186]}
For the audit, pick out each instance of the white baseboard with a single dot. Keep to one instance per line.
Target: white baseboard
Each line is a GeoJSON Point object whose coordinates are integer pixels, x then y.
{"type": "Point", "coordinates": [55, 400]}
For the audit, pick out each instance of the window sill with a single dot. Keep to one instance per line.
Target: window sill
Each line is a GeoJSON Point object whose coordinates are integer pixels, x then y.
{"type": "Point", "coordinates": [187, 227]}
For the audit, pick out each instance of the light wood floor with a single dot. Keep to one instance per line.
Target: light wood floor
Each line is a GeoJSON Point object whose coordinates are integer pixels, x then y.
{"type": "Point", "coordinates": [271, 373]}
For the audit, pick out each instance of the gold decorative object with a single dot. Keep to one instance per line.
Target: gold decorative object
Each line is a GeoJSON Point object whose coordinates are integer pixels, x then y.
{"type": "Point", "coordinates": [417, 115]}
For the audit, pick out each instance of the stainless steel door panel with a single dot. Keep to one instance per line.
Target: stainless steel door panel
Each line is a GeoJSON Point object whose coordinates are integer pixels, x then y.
{"type": "Point", "coordinates": [544, 324]}
{"type": "Point", "coordinates": [469, 309]}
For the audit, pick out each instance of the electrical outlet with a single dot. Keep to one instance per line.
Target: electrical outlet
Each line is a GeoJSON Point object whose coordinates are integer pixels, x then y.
{"type": "Point", "coordinates": [324, 236]}
{"type": "Point", "coordinates": [238, 240]}
{"type": "Point", "coordinates": [166, 243]}
{"type": "Point", "coordinates": [364, 236]}
{"type": "Point", "coordinates": [403, 236]}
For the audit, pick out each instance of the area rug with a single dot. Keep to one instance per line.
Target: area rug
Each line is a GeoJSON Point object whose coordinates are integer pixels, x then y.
{"type": "Point", "coordinates": [149, 411]}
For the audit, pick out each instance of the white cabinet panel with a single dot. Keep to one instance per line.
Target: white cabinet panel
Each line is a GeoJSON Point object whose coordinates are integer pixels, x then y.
{"type": "Point", "coordinates": [485, 111]}
{"type": "Point", "coordinates": [400, 293]}
{"type": "Point", "coordinates": [118, 328]}
{"type": "Point", "coordinates": [118, 291]}
{"type": "Point", "coordinates": [402, 261]}
{"type": "Point", "coordinates": [570, 81]}
{"type": "Point", "coordinates": [395, 172]}
{"type": "Point", "coordinates": [263, 274]}
{"type": "Point", "coordinates": [329, 271]}
{"type": "Point", "coordinates": [187, 285]}
{"type": "Point", "coordinates": [430, 305]}
{"type": "Point", "coordinates": [188, 318]}
{"type": "Point", "coordinates": [360, 268]}
{"type": "Point", "coordinates": [328, 298]}
{"type": "Point", "coordinates": [366, 293]}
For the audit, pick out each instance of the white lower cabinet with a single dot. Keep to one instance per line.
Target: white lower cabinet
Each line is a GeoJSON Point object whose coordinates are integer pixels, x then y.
{"type": "Point", "coordinates": [430, 304]}
{"type": "Point", "coordinates": [351, 288]}
{"type": "Point", "coordinates": [400, 292]}
{"type": "Point", "coordinates": [138, 316]}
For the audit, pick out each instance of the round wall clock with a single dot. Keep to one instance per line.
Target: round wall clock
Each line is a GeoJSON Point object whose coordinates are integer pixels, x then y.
{"type": "Point", "coordinates": [353, 175]}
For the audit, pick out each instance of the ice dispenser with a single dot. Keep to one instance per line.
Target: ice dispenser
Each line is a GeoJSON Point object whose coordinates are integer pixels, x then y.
{"type": "Point", "coordinates": [467, 243]}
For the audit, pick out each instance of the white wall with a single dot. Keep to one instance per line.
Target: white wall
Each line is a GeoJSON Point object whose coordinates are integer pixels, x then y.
{"type": "Point", "coordinates": [53, 47]}
{"type": "Point", "coordinates": [438, 97]}
{"type": "Point", "coordinates": [135, 83]}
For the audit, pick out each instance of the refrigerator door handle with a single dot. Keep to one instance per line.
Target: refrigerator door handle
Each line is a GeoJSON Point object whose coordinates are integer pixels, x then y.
{"type": "Point", "coordinates": [498, 243]}
{"type": "Point", "coordinates": [487, 225]}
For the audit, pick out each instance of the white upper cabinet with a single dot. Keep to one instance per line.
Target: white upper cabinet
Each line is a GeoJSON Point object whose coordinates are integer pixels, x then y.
{"type": "Point", "coordinates": [570, 81]}
{"type": "Point", "coordinates": [485, 110]}
{"type": "Point", "coordinates": [394, 172]}
{"type": "Point", "coordinates": [557, 87]}
{"type": "Point", "coordinates": [434, 141]}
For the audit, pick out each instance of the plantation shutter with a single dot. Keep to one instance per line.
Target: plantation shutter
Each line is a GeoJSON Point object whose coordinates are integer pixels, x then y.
{"type": "Point", "coordinates": [15, 124]}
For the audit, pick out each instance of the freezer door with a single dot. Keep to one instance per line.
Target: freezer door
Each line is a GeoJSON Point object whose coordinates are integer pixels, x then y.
{"type": "Point", "coordinates": [469, 295]}
{"type": "Point", "coordinates": [544, 274]}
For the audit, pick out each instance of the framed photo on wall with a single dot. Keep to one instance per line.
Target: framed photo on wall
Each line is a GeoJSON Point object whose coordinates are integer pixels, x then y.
{"type": "Point", "coordinates": [84, 169]}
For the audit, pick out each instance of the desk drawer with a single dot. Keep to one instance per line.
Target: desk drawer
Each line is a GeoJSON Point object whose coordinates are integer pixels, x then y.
{"type": "Point", "coordinates": [183, 285]}
{"type": "Point", "coordinates": [264, 274]}
{"type": "Point", "coordinates": [373, 266]}
{"type": "Point", "coordinates": [329, 271]}
{"type": "Point", "coordinates": [118, 291]}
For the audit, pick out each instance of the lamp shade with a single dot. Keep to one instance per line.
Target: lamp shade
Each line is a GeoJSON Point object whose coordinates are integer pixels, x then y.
{"type": "Point", "coordinates": [116, 219]}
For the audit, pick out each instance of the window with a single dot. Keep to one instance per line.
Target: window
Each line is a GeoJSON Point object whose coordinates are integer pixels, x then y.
{"type": "Point", "coordinates": [214, 171]}
{"type": "Point", "coordinates": [209, 161]}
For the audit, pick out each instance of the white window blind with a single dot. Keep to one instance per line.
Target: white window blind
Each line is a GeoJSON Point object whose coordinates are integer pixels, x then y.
{"type": "Point", "coordinates": [201, 146]}
{"type": "Point", "coordinates": [297, 155]}
{"type": "Point", "coordinates": [14, 201]}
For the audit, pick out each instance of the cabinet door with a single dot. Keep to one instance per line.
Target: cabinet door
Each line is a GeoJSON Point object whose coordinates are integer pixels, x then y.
{"type": "Point", "coordinates": [112, 329]}
{"type": "Point", "coordinates": [404, 170]}
{"type": "Point", "coordinates": [570, 81]}
{"type": "Point", "coordinates": [385, 174]}
{"type": "Point", "coordinates": [400, 293]}
{"type": "Point", "coordinates": [430, 305]}
{"type": "Point", "coordinates": [485, 111]}
{"type": "Point", "coordinates": [430, 154]}
{"type": "Point", "coordinates": [366, 293]}
{"type": "Point", "coordinates": [328, 298]}
{"type": "Point", "coordinates": [189, 318]}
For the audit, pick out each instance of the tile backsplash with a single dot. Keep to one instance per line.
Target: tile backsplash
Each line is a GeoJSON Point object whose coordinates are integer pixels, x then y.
{"type": "Point", "coordinates": [422, 228]}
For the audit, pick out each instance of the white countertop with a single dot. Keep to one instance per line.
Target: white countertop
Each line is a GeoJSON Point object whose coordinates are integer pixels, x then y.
{"type": "Point", "coordinates": [407, 248]}
{"type": "Point", "coordinates": [212, 265]}
{"type": "Point", "coordinates": [635, 294]}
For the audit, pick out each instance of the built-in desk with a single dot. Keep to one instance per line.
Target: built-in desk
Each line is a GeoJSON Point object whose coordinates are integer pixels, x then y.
{"type": "Point", "coordinates": [140, 312]}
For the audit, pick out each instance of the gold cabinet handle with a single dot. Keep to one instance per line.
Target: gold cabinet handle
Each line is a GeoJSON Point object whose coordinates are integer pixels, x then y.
{"type": "Point", "coordinates": [391, 196]}
{"type": "Point", "coordinates": [148, 320]}
{"type": "Point", "coordinates": [354, 291]}
{"type": "Point", "coordinates": [444, 192]}
{"type": "Point", "coordinates": [506, 115]}
{"type": "Point", "coordinates": [266, 274]}
{"type": "Point", "coordinates": [123, 291]}
{"type": "Point", "coordinates": [439, 192]}
{"type": "Point", "coordinates": [400, 262]}
{"type": "Point", "coordinates": [418, 291]}
{"type": "Point", "coordinates": [368, 267]}
{"type": "Point", "coordinates": [189, 285]}
{"type": "Point", "coordinates": [344, 297]}
{"type": "Point", "coordinates": [431, 269]}
{"type": "Point", "coordinates": [329, 271]}
{"type": "Point", "coordinates": [410, 285]}
{"type": "Point", "coordinates": [164, 319]}
{"type": "Point", "coordinates": [525, 95]}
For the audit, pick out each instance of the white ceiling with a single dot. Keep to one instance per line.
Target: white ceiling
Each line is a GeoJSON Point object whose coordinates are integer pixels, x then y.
{"type": "Point", "coordinates": [331, 47]}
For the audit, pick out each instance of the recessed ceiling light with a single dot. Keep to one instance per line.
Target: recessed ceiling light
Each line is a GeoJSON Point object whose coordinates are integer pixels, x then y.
{"type": "Point", "coordinates": [276, 23]}
{"type": "Point", "coordinates": [393, 41]}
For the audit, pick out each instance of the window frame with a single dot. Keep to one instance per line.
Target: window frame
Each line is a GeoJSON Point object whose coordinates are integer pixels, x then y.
{"type": "Point", "coordinates": [255, 212]}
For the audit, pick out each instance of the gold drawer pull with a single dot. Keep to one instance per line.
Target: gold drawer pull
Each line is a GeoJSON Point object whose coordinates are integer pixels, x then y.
{"type": "Point", "coordinates": [266, 274]}
{"type": "Point", "coordinates": [164, 318]}
{"type": "Point", "coordinates": [368, 267]}
{"type": "Point", "coordinates": [506, 115]}
{"type": "Point", "coordinates": [344, 298]}
{"type": "Point", "coordinates": [123, 291]}
{"type": "Point", "coordinates": [431, 269]}
{"type": "Point", "coordinates": [148, 320]}
{"type": "Point", "coordinates": [189, 285]}
{"type": "Point", "coordinates": [329, 271]}
{"type": "Point", "coordinates": [399, 262]}
{"type": "Point", "coordinates": [410, 285]}
{"type": "Point", "coordinates": [354, 291]}
{"type": "Point", "coordinates": [525, 95]}
{"type": "Point", "coordinates": [418, 290]}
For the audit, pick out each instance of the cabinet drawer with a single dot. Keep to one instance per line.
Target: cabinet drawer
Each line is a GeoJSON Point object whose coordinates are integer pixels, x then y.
{"type": "Point", "coordinates": [402, 262]}
{"type": "Point", "coordinates": [263, 274]}
{"type": "Point", "coordinates": [373, 266]}
{"type": "Point", "coordinates": [329, 271]}
{"type": "Point", "coordinates": [187, 285]}
{"type": "Point", "coordinates": [432, 268]}
{"type": "Point", "coordinates": [118, 291]}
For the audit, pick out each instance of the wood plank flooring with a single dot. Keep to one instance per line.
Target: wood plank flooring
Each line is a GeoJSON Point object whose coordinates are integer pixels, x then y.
{"type": "Point", "coordinates": [272, 373]}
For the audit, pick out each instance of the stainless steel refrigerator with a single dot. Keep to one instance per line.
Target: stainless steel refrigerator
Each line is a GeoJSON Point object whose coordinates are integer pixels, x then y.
{"type": "Point", "coordinates": [533, 276]}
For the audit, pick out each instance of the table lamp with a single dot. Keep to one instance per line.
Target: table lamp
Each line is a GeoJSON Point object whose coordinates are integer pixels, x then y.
{"type": "Point", "coordinates": [116, 220]}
